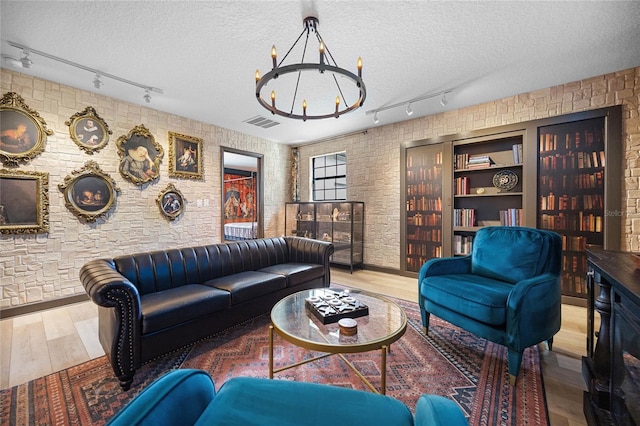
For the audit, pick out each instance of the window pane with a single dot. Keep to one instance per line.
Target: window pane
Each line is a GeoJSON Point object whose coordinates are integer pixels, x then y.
{"type": "Point", "coordinates": [341, 194]}
{"type": "Point", "coordinates": [341, 170]}
{"type": "Point", "coordinates": [319, 184]}
{"type": "Point", "coordinates": [331, 160]}
{"type": "Point", "coordinates": [318, 195]}
{"type": "Point", "coordinates": [341, 158]}
{"type": "Point", "coordinates": [319, 173]}
{"type": "Point", "coordinates": [318, 162]}
{"type": "Point", "coordinates": [341, 182]}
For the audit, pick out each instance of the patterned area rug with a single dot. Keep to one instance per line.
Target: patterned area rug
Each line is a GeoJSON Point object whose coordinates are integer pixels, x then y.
{"type": "Point", "coordinates": [449, 362]}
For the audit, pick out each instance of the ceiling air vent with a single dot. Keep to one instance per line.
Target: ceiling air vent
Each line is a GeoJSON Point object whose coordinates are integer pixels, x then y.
{"type": "Point", "coordinates": [261, 121]}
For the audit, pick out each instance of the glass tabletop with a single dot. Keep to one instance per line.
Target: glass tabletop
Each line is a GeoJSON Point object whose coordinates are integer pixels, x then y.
{"type": "Point", "coordinates": [294, 322]}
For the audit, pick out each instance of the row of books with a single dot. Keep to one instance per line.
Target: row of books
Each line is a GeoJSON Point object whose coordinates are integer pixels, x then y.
{"type": "Point", "coordinates": [424, 160]}
{"type": "Point", "coordinates": [431, 173]}
{"type": "Point", "coordinates": [573, 243]}
{"type": "Point", "coordinates": [424, 203]}
{"type": "Point", "coordinates": [414, 263]}
{"type": "Point", "coordinates": [572, 202]}
{"type": "Point", "coordinates": [511, 217]}
{"type": "Point", "coordinates": [464, 217]}
{"type": "Point", "coordinates": [433, 235]}
{"type": "Point", "coordinates": [462, 185]}
{"type": "Point", "coordinates": [571, 182]}
{"type": "Point", "coordinates": [419, 219]}
{"type": "Point", "coordinates": [575, 284]}
{"type": "Point", "coordinates": [517, 153]}
{"type": "Point", "coordinates": [574, 263]}
{"type": "Point", "coordinates": [469, 161]}
{"type": "Point", "coordinates": [426, 250]}
{"type": "Point", "coordinates": [572, 222]}
{"type": "Point", "coordinates": [424, 188]}
{"type": "Point", "coordinates": [462, 244]}
{"type": "Point", "coordinates": [573, 160]}
{"type": "Point", "coordinates": [570, 141]}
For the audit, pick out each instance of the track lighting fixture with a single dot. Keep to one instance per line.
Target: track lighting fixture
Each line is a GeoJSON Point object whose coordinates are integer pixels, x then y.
{"type": "Point", "coordinates": [26, 62]}
{"type": "Point", "coordinates": [409, 110]}
{"type": "Point", "coordinates": [97, 82]}
{"type": "Point", "coordinates": [375, 118]}
{"type": "Point", "coordinates": [444, 100]}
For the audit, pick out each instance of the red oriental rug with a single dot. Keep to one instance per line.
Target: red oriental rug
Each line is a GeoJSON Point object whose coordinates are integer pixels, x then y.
{"type": "Point", "coordinates": [450, 362]}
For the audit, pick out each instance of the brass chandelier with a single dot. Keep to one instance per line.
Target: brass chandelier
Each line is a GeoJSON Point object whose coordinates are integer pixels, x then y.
{"type": "Point", "coordinates": [327, 68]}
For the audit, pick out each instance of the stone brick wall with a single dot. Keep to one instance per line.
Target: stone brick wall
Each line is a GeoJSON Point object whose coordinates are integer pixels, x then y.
{"type": "Point", "coordinates": [35, 268]}
{"type": "Point", "coordinates": [373, 157]}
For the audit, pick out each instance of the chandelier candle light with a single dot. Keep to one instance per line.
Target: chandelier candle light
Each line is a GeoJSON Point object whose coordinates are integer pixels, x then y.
{"type": "Point", "coordinates": [326, 66]}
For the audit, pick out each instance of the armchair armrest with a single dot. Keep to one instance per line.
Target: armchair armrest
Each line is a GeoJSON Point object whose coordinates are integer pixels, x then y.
{"type": "Point", "coordinates": [178, 397]}
{"type": "Point", "coordinates": [434, 410]}
{"type": "Point", "coordinates": [305, 250]}
{"type": "Point", "coordinates": [445, 266]}
{"type": "Point", "coordinates": [119, 330]}
{"type": "Point", "coordinates": [534, 310]}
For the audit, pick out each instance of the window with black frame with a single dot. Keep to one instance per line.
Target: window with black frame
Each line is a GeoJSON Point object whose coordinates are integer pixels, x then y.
{"type": "Point", "coordinates": [330, 177]}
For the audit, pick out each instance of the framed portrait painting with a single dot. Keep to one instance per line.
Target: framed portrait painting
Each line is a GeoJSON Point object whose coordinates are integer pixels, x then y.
{"type": "Point", "coordinates": [89, 193]}
{"type": "Point", "coordinates": [140, 156]}
{"type": "Point", "coordinates": [24, 202]}
{"type": "Point", "coordinates": [171, 202]}
{"type": "Point", "coordinates": [185, 156]}
{"type": "Point", "coordinates": [88, 130]}
{"type": "Point", "coordinates": [23, 133]}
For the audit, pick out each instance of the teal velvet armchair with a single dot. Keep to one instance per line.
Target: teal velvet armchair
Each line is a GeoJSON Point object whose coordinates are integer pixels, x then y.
{"type": "Point", "coordinates": [506, 291]}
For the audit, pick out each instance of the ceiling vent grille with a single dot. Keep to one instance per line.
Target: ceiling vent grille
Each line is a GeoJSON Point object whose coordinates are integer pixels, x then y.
{"type": "Point", "coordinates": [261, 121]}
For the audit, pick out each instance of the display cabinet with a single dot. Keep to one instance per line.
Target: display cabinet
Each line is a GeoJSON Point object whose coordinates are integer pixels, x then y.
{"type": "Point", "coordinates": [339, 222]}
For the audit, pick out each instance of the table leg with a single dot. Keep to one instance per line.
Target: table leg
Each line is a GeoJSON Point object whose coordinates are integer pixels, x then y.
{"type": "Point", "coordinates": [383, 379]}
{"type": "Point", "coordinates": [271, 352]}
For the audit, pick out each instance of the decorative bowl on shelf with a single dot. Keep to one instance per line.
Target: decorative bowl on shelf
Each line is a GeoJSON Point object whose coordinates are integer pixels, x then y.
{"type": "Point", "coordinates": [505, 180]}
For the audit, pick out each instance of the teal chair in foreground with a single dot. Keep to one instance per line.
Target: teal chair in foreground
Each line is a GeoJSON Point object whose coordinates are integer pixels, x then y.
{"type": "Point", "coordinates": [188, 397]}
{"type": "Point", "coordinates": [506, 291]}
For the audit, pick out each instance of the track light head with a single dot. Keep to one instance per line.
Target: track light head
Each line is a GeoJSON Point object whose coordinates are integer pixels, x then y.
{"type": "Point", "coordinates": [147, 96]}
{"type": "Point", "coordinates": [97, 82]}
{"type": "Point", "coordinates": [375, 117]}
{"type": "Point", "coordinates": [444, 100]}
{"type": "Point", "coordinates": [409, 110]}
{"type": "Point", "coordinates": [25, 60]}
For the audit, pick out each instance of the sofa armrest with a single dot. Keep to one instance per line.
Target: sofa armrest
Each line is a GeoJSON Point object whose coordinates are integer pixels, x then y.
{"type": "Point", "coordinates": [178, 397]}
{"type": "Point", "coordinates": [534, 310]}
{"type": "Point", "coordinates": [305, 250]}
{"type": "Point", "coordinates": [119, 329]}
{"type": "Point", "coordinates": [445, 266]}
{"type": "Point", "coordinates": [434, 410]}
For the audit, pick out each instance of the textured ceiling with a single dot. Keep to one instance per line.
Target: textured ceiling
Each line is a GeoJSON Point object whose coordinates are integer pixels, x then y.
{"type": "Point", "coordinates": [203, 54]}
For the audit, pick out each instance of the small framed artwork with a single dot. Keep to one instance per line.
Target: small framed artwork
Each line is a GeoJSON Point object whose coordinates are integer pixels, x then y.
{"type": "Point", "coordinates": [171, 202]}
{"type": "Point", "coordinates": [24, 202]}
{"type": "Point", "coordinates": [140, 156]}
{"type": "Point", "coordinates": [23, 133]}
{"type": "Point", "coordinates": [185, 156]}
{"type": "Point", "coordinates": [89, 193]}
{"type": "Point", "coordinates": [88, 130]}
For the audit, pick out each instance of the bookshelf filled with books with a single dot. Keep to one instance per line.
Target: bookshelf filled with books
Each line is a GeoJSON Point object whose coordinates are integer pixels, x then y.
{"type": "Point", "coordinates": [571, 192]}
{"type": "Point", "coordinates": [423, 205]}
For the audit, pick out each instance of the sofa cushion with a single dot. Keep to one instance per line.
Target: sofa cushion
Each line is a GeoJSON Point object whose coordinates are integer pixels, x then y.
{"type": "Point", "coordinates": [248, 285]}
{"type": "Point", "coordinates": [252, 401]}
{"type": "Point", "coordinates": [509, 254]}
{"type": "Point", "coordinates": [161, 310]}
{"type": "Point", "coordinates": [474, 296]}
{"type": "Point", "coordinates": [296, 273]}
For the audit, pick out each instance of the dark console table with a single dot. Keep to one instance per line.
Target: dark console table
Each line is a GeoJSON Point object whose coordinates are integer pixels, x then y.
{"type": "Point", "coordinates": [611, 368]}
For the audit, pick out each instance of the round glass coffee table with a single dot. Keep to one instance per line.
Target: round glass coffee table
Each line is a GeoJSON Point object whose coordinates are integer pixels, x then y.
{"type": "Point", "coordinates": [292, 320]}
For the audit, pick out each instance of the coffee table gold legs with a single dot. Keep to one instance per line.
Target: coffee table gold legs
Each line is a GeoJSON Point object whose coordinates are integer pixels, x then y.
{"type": "Point", "coordinates": [271, 352]}
{"type": "Point", "coordinates": [383, 376]}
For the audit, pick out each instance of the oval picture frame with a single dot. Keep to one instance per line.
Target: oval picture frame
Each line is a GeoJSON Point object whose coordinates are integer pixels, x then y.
{"type": "Point", "coordinates": [171, 202]}
{"type": "Point", "coordinates": [88, 130]}
{"type": "Point", "coordinates": [23, 133]}
{"type": "Point", "coordinates": [89, 193]}
{"type": "Point", "coordinates": [140, 156]}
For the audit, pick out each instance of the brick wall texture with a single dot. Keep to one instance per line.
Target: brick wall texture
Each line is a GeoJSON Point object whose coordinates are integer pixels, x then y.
{"type": "Point", "coordinates": [35, 268]}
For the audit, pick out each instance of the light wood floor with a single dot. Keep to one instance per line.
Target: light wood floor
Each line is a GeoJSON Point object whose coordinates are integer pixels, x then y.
{"type": "Point", "coordinates": [44, 342]}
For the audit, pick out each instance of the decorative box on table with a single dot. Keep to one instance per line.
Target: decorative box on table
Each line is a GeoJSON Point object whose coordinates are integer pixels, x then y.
{"type": "Point", "coordinates": [331, 307]}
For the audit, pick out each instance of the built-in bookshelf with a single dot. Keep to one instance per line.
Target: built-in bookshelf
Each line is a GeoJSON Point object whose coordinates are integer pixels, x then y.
{"type": "Point", "coordinates": [423, 199]}
{"type": "Point", "coordinates": [488, 182]}
{"type": "Point", "coordinates": [571, 193]}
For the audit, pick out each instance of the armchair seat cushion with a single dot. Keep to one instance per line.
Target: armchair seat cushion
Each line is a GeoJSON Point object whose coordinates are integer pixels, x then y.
{"type": "Point", "coordinates": [244, 286]}
{"type": "Point", "coordinates": [474, 296]}
{"type": "Point", "coordinates": [187, 302]}
{"type": "Point", "coordinates": [296, 273]}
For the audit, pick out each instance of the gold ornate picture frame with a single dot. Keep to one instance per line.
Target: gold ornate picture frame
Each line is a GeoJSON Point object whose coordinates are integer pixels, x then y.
{"type": "Point", "coordinates": [23, 133]}
{"type": "Point", "coordinates": [140, 156]}
{"type": "Point", "coordinates": [89, 193]}
{"type": "Point", "coordinates": [24, 202]}
{"type": "Point", "coordinates": [88, 130]}
{"type": "Point", "coordinates": [171, 202]}
{"type": "Point", "coordinates": [185, 156]}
